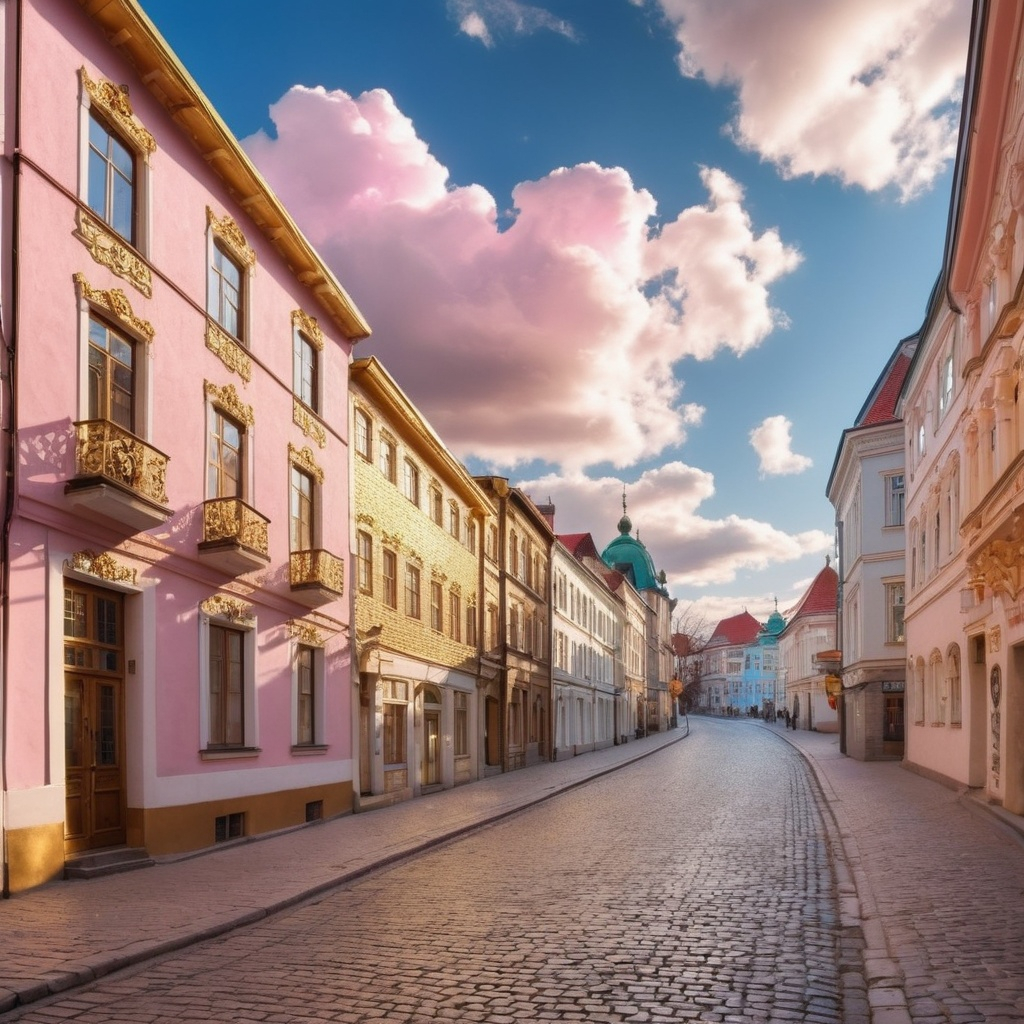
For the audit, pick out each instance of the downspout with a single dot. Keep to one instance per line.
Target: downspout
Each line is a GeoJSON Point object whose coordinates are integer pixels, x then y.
{"type": "Point", "coordinates": [9, 336]}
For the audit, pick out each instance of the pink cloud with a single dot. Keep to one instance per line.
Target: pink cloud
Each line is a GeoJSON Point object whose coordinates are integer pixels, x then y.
{"type": "Point", "coordinates": [554, 338]}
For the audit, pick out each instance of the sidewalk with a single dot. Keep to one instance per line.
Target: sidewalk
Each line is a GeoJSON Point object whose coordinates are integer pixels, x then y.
{"type": "Point", "coordinates": [70, 933]}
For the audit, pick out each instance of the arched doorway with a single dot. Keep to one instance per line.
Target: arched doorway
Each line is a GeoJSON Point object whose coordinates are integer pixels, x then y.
{"type": "Point", "coordinates": [430, 741]}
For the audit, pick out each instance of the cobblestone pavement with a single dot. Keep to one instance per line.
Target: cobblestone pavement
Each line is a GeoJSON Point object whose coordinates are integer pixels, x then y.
{"type": "Point", "coordinates": [693, 885]}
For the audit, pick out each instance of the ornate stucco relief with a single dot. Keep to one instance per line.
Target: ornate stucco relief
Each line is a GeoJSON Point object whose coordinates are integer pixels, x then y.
{"type": "Point", "coordinates": [303, 459]}
{"type": "Point", "coordinates": [309, 326]}
{"type": "Point", "coordinates": [106, 250]}
{"type": "Point", "coordinates": [227, 230]}
{"type": "Point", "coordinates": [305, 420]}
{"type": "Point", "coordinates": [227, 398]}
{"type": "Point", "coordinates": [114, 102]}
{"type": "Point", "coordinates": [228, 351]}
{"type": "Point", "coordinates": [115, 302]}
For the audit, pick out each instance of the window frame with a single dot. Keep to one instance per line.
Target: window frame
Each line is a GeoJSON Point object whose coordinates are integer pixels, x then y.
{"type": "Point", "coordinates": [389, 578]}
{"type": "Point", "coordinates": [895, 499]}
{"type": "Point", "coordinates": [893, 619]}
{"type": "Point", "coordinates": [436, 500]}
{"type": "Point", "coordinates": [362, 434]}
{"type": "Point", "coordinates": [216, 415]}
{"type": "Point", "coordinates": [246, 626]}
{"type": "Point", "coordinates": [411, 481]}
{"type": "Point", "coordinates": [306, 386]}
{"type": "Point", "coordinates": [413, 591]}
{"type": "Point", "coordinates": [308, 526]}
{"type": "Point", "coordinates": [317, 697]}
{"type": "Point", "coordinates": [364, 562]}
{"type": "Point", "coordinates": [387, 459]}
{"type": "Point", "coordinates": [223, 236]}
{"type": "Point", "coordinates": [436, 606]}
{"type": "Point", "coordinates": [95, 115]}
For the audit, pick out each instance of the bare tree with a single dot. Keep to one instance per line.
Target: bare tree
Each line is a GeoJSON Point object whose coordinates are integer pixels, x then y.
{"type": "Point", "coordinates": [691, 632]}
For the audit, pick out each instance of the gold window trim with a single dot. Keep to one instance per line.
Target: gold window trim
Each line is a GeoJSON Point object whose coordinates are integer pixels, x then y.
{"type": "Point", "coordinates": [220, 606]}
{"type": "Point", "coordinates": [227, 398]}
{"type": "Point", "coordinates": [306, 633]}
{"type": "Point", "coordinates": [302, 458]}
{"type": "Point", "coordinates": [308, 424]}
{"type": "Point", "coordinates": [115, 302]}
{"type": "Point", "coordinates": [308, 326]}
{"type": "Point", "coordinates": [228, 351]}
{"type": "Point", "coordinates": [104, 566]}
{"type": "Point", "coordinates": [117, 257]}
{"type": "Point", "coordinates": [114, 102]}
{"type": "Point", "coordinates": [227, 230]}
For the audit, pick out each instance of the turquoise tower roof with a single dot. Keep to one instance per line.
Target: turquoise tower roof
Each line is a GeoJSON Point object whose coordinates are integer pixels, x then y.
{"type": "Point", "coordinates": [773, 627]}
{"type": "Point", "coordinates": [627, 555]}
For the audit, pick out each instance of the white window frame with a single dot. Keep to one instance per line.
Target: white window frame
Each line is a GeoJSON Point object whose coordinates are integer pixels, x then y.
{"type": "Point", "coordinates": [250, 716]}
{"type": "Point", "coordinates": [891, 491]}
{"type": "Point", "coordinates": [319, 698]}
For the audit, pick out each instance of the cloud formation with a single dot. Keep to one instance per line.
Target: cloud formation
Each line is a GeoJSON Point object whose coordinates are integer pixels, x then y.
{"type": "Point", "coordinates": [489, 20]}
{"type": "Point", "coordinates": [552, 339]}
{"type": "Point", "coordinates": [866, 90]}
{"type": "Point", "coordinates": [772, 440]}
{"type": "Point", "coordinates": [663, 507]}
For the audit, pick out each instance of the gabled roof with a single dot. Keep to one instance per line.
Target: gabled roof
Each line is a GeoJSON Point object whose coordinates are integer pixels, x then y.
{"type": "Point", "coordinates": [738, 629]}
{"type": "Point", "coordinates": [579, 545]}
{"type": "Point", "coordinates": [881, 404]}
{"type": "Point", "coordinates": [820, 596]}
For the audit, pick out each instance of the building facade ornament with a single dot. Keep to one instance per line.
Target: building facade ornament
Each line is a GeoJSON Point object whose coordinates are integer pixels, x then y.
{"type": "Point", "coordinates": [306, 633]}
{"type": "Point", "coordinates": [227, 398]}
{"type": "Point", "coordinates": [117, 257]}
{"type": "Point", "coordinates": [309, 326]}
{"type": "Point", "coordinates": [104, 566]}
{"type": "Point", "coordinates": [227, 230]}
{"type": "Point", "coordinates": [221, 606]}
{"type": "Point", "coordinates": [228, 351]}
{"type": "Point", "coordinates": [308, 424]}
{"type": "Point", "coordinates": [303, 459]}
{"type": "Point", "coordinates": [115, 302]}
{"type": "Point", "coordinates": [114, 102]}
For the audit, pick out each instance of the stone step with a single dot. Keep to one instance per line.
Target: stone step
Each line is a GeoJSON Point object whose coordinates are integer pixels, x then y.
{"type": "Point", "coordinates": [111, 861]}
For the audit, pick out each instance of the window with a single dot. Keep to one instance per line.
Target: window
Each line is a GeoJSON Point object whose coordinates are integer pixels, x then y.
{"type": "Point", "coordinates": [394, 734]}
{"type": "Point", "coordinates": [895, 499]}
{"type": "Point", "coordinates": [455, 616]}
{"type": "Point", "coordinates": [436, 622]}
{"type": "Point", "coordinates": [920, 440]}
{"type": "Point", "coordinates": [227, 689]}
{"type": "Point", "coordinates": [390, 576]}
{"type": "Point", "coordinates": [956, 711]}
{"type": "Point", "coordinates": [307, 694]}
{"type": "Point", "coordinates": [112, 193]}
{"type": "Point", "coordinates": [226, 296]}
{"type": "Point", "coordinates": [300, 513]}
{"type": "Point", "coordinates": [111, 376]}
{"type": "Point", "coordinates": [471, 626]}
{"type": "Point", "coordinates": [513, 552]}
{"type": "Point", "coordinates": [306, 371]}
{"type": "Point", "coordinates": [946, 383]}
{"type": "Point", "coordinates": [363, 435]}
{"type": "Point", "coordinates": [226, 457]}
{"type": "Point", "coordinates": [461, 724]}
{"type": "Point", "coordinates": [436, 506]}
{"type": "Point", "coordinates": [513, 627]}
{"type": "Point", "coordinates": [454, 521]}
{"type": "Point", "coordinates": [471, 535]}
{"type": "Point", "coordinates": [492, 626]}
{"type": "Point", "coordinates": [411, 482]}
{"type": "Point", "coordinates": [412, 591]}
{"type": "Point", "coordinates": [388, 460]}
{"type": "Point", "coordinates": [894, 597]}
{"type": "Point", "coordinates": [364, 559]}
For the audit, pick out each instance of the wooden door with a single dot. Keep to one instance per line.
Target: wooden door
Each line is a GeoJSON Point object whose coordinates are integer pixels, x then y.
{"type": "Point", "coordinates": [432, 748]}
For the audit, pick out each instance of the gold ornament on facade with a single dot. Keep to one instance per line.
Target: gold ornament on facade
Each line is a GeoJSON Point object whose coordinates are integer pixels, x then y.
{"type": "Point", "coordinates": [228, 351]}
{"type": "Point", "coordinates": [305, 420]}
{"type": "Point", "coordinates": [392, 540]}
{"type": "Point", "coordinates": [227, 398]}
{"type": "Point", "coordinates": [104, 565]}
{"type": "Point", "coordinates": [232, 519]}
{"type": "Point", "coordinates": [227, 230]}
{"type": "Point", "coordinates": [309, 326]}
{"type": "Point", "coordinates": [999, 564]}
{"type": "Point", "coordinates": [106, 250]}
{"type": "Point", "coordinates": [116, 303]}
{"type": "Point", "coordinates": [365, 518]}
{"type": "Point", "coordinates": [302, 458]}
{"type": "Point", "coordinates": [317, 567]}
{"type": "Point", "coordinates": [306, 633]}
{"type": "Point", "coordinates": [114, 102]}
{"type": "Point", "coordinates": [437, 575]}
{"type": "Point", "coordinates": [220, 606]}
{"type": "Point", "coordinates": [104, 449]}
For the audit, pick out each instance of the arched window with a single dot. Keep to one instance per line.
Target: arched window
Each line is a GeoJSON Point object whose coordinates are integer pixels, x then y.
{"type": "Point", "coordinates": [954, 686]}
{"type": "Point", "coordinates": [936, 698]}
{"type": "Point", "coordinates": [918, 677]}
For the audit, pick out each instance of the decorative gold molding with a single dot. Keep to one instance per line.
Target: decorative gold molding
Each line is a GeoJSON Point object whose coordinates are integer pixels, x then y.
{"type": "Point", "coordinates": [106, 250]}
{"type": "Point", "coordinates": [232, 519]}
{"type": "Point", "coordinates": [309, 326]}
{"type": "Point", "coordinates": [437, 575]}
{"type": "Point", "coordinates": [116, 303]}
{"type": "Point", "coordinates": [306, 633]}
{"type": "Point", "coordinates": [223, 607]}
{"type": "Point", "coordinates": [364, 517]}
{"type": "Point", "coordinates": [106, 450]}
{"type": "Point", "coordinates": [303, 458]}
{"type": "Point", "coordinates": [113, 101]}
{"type": "Point", "coordinates": [305, 420]}
{"type": "Point", "coordinates": [227, 230]}
{"type": "Point", "coordinates": [386, 435]}
{"type": "Point", "coordinates": [392, 540]}
{"type": "Point", "coordinates": [317, 568]}
{"type": "Point", "coordinates": [456, 588]}
{"type": "Point", "coordinates": [228, 351]}
{"type": "Point", "coordinates": [104, 565]}
{"type": "Point", "coordinates": [227, 398]}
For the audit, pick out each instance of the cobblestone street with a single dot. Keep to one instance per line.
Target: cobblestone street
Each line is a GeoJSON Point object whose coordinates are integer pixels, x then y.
{"type": "Point", "coordinates": [691, 885]}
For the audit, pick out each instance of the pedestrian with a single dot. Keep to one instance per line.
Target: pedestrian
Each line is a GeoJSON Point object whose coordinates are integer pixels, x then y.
{"type": "Point", "coordinates": [787, 718]}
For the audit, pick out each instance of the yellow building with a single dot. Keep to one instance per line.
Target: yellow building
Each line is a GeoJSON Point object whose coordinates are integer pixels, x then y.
{"type": "Point", "coordinates": [419, 520]}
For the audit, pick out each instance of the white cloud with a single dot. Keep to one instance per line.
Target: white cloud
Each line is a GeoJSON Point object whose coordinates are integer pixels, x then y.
{"type": "Point", "coordinates": [485, 19]}
{"type": "Point", "coordinates": [866, 90]}
{"type": "Point", "coordinates": [772, 441]}
{"type": "Point", "coordinates": [554, 339]}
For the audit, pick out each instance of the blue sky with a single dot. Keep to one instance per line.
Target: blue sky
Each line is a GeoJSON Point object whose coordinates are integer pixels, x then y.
{"type": "Point", "coordinates": [608, 243]}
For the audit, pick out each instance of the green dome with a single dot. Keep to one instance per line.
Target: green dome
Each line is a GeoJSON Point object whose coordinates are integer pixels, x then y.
{"type": "Point", "coordinates": [627, 555]}
{"type": "Point", "coordinates": [773, 627]}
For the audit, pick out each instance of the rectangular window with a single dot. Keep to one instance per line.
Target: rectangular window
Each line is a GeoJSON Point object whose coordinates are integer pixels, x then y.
{"type": "Point", "coordinates": [946, 383]}
{"type": "Point", "coordinates": [305, 694]}
{"type": "Point", "coordinates": [306, 371]}
{"type": "Point", "coordinates": [436, 506]}
{"type": "Point", "coordinates": [894, 604]}
{"type": "Point", "coordinates": [394, 734]}
{"type": "Point", "coordinates": [227, 687]}
{"type": "Point", "coordinates": [435, 606]}
{"type": "Point", "coordinates": [454, 521]}
{"type": "Point", "coordinates": [364, 435]}
{"type": "Point", "coordinates": [895, 499]}
{"type": "Point", "coordinates": [225, 458]}
{"type": "Point", "coordinates": [492, 626]}
{"type": "Point", "coordinates": [461, 724]}
{"type": "Point", "coordinates": [225, 301]}
{"type": "Point", "coordinates": [412, 591]}
{"type": "Point", "coordinates": [364, 559]}
{"type": "Point", "coordinates": [301, 511]}
{"type": "Point", "coordinates": [455, 617]}
{"type": "Point", "coordinates": [411, 482]}
{"type": "Point", "coordinates": [111, 376]}
{"type": "Point", "coordinates": [112, 193]}
{"type": "Point", "coordinates": [389, 572]}
{"type": "Point", "coordinates": [471, 626]}
{"type": "Point", "coordinates": [471, 535]}
{"type": "Point", "coordinates": [388, 463]}
{"type": "Point", "coordinates": [228, 826]}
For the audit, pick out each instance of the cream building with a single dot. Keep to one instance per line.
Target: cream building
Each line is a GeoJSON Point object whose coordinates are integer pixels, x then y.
{"type": "Point", "coordinates": [418, 526]}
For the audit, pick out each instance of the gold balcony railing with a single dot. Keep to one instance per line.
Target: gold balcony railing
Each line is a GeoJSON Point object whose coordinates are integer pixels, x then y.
{"type": "Point", "coordinates": [230, 519]}
{"type": "Point", "coordinates": [110, 452]}
{"type": "Point", "coordinates": [317, 568]}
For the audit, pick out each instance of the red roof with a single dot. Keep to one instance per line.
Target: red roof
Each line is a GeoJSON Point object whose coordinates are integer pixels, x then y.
{"type": "Point", "coordinates": [819, 597]}
{"type": "Point", "coordinates": [739, 629]}
{"type": "Point", "coordinates": [580, 545]}
{"type": "Point", "coordinates": [883, 404]}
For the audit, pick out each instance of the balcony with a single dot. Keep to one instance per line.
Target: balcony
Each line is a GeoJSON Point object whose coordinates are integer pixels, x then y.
{"type": "Point", "coordinates": [316, 577]}
{"type": "Point", "coordinates": [118, 477]}
{"type": "Point", "coordinates": [234, 536]}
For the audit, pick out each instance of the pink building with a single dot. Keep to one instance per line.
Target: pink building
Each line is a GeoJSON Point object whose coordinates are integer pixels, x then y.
{"type": "Point", "coordinates": [175, 626]}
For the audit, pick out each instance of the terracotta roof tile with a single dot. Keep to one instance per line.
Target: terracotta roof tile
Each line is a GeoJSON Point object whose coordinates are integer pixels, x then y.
{"type": "Point", "coordinates": [738, 629]}
{"type": "Point", "coordinates": [819, 597]}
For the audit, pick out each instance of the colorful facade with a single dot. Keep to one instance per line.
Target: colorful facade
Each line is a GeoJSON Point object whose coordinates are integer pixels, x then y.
{"type": "Point", "coordinates": [174, 617]}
